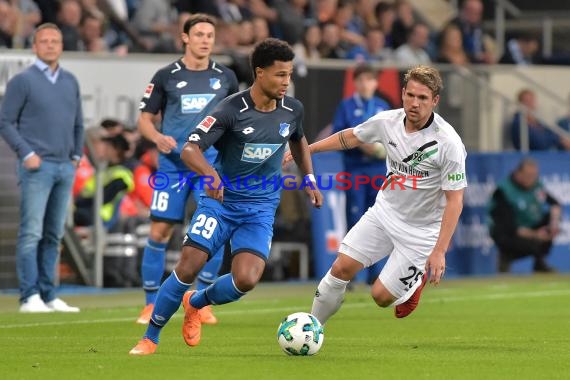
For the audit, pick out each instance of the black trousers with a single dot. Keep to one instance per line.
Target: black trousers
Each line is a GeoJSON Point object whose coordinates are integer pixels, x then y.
{"type": "Point", "coordinates": [516, 247]}
{"type": "Point", "coordinates": [513, 247]}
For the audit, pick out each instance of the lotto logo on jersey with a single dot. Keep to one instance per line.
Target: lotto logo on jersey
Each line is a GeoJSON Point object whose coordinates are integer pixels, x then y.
{"type": "Point", "coordinates": [257, 153]}
{"type": "Point", "coordinates": [206, 124]}
{"type": "Point", "coordinates": [194, 103]}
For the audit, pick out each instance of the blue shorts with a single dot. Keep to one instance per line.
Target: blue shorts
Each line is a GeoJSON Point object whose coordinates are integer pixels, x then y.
{"type": "Point", "coordinates": [248, 227]}
{"type": "Point", "coordinates": [170, 195]}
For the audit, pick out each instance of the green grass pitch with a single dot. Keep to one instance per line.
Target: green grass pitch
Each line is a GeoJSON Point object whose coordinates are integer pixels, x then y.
{"type": "Point", "coordinates": [489, 328]}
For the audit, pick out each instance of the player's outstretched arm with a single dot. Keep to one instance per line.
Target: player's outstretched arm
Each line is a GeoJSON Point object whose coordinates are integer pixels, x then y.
{"type": "Point", "coordinates": [436, 261]}
{"type": "Point", "coordinates": [193, 158]}
{"type": "Point", "coordinates": [302, 156]}
{"type": "Point", "coordinates": [342, 140]}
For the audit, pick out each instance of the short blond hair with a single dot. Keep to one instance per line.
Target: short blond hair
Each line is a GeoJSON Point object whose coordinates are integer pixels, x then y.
{"type": "Point", "coordinates": [47, 25]}
{"type": "Point", "coordinates": [426, 75]}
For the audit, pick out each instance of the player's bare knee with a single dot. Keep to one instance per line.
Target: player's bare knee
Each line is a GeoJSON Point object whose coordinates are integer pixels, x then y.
{"type": "Point", "coordinates": [247, 270]}
{"type": "Point", "coordinates": [381, 295]}
{"type": "Point", "coordinates": [185, 273]}
{"type": "Point", "coordinates": [341, 271]}
{"type": "Point", "coordinates": [160, 231]}
{"type": "Point", "coordinates": [191, 262]}
{"type": "Point", "coordinates": [382, 301]}
{"type": "Point", "coordinates": [246, 279]}
{"type": "Point", "coordinates": [245, 283]}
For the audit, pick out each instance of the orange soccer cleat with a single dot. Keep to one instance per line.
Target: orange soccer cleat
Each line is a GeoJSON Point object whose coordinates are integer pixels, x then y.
{"type": "Point", "coordinates": [146, 314]}
{"type": "Point", "coordinates": [405, 309]}
{"type": "Point", "coordinates": [192, 325]}
{"type": "Point", "coordinates": [207, 316]}
{"type": "Point", "coordinates": [145, 346]}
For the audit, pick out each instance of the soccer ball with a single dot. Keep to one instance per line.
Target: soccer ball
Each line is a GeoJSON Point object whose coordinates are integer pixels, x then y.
{"type": "Point", "coordinates": [300, 334]}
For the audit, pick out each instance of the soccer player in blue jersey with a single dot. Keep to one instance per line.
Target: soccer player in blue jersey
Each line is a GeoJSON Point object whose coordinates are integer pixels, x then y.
{"type": "Point", "coordinates": [182, 93]}
{"type": "Point", "coordinates": [250, 130]}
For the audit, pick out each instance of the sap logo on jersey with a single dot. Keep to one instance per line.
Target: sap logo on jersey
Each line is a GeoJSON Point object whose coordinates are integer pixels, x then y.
{"type": "Point", "coordinates": [258, 153]}
{"type": "Point", "coordinates": [194, 103]}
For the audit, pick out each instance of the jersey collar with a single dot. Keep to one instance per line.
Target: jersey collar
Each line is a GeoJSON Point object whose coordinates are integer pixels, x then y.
{"type": "Point", "coordinates": [248, 99]}
{"type": "Point", "coordinates": [426, 125]}
{"type": "Point", "coordinates": [211, 65]}
{"type": "Point", "coordinates": [251, 104]}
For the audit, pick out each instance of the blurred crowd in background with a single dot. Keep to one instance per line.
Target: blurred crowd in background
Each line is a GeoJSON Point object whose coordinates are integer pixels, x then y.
{"type": "Point", "coordinates": [371, 30]}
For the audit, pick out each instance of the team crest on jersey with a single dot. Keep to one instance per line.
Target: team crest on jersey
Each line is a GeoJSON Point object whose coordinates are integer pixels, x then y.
{"type": "Point", "coordinates": [257, 153]}
{"type": "Point", "coordinates": [148, 90]}
{"type": "Point", "coordinates": [194, 103]}
{"type": "Point", "coordinates": [206, 124]}
{"type": "Point", "coordinates": [423, 152]}
{"type": "Point", "coordinates": [284, 129]}
{"type": "Point", "coordinates": [215, 83]}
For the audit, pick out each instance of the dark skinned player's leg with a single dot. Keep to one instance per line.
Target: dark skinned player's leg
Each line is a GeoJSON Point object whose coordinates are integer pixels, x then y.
{"type": "Point", "coordinates": [246, 272]}
{"type": "Point", "coordinates": [172, 290]}
{"type": "Point", "coordinates": [247, 269]}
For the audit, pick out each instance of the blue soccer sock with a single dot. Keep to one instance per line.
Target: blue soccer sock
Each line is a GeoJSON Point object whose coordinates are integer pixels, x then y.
{"type": "Point", "coordinates": [222, 291]}
{"type": "Point", "coordinates": [209, 272]}
{"type": "Point", "coordinates": [202, 283]}
{"type": "Point", "coordinates": [152, 268]}
{"type": "Point", "coordinates": [166, 304]}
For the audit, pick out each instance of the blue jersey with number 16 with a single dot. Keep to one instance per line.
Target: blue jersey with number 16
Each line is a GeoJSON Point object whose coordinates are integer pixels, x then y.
{"type": "Point", "coordinates": [183, 97]}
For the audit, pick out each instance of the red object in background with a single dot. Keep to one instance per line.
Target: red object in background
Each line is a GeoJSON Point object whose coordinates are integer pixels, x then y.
{"type": "Point", "coordinates": [82, 174]}
{"type": "Point", "coordinates": [388, 84]}
{"type": "Point", "coordinates": [142, 193]}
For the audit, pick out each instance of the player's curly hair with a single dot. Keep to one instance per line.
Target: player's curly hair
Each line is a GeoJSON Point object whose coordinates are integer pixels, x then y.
{"type": "Point", "coordinates": [427, 76]}
{"type": "Point", "coordinates": [268, 51]}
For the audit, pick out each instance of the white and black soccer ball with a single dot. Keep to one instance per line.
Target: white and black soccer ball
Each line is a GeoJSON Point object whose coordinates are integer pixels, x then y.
{"type": "Point", "coordinates": [300, 334]}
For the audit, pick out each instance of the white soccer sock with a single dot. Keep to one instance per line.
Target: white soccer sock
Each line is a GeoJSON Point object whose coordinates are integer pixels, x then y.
{"type": "Point", "coordinates": [328, 297]}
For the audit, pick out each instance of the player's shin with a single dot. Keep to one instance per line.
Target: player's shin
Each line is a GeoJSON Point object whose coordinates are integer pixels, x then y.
{"type": "Point", "coordinates": [167, 303]}
{"type": "Point", "coordinates": [328, 297]}
{"type": "Point", "coordinates": [222, 291]}
{"type": "Point", "coordinates": [152, 268]}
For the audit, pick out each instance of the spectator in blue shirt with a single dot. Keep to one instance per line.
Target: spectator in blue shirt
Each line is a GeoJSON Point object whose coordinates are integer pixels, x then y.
{"type": "Point", "coordinates": [469, 22]}
{"type": "Point", "coordinates": [522, 50]}
{"type": "Point", "coordinates": [540, 137]}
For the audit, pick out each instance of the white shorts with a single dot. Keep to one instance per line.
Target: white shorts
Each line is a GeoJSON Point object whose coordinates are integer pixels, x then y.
{"type": "Point", "coordinates": [376, 236]}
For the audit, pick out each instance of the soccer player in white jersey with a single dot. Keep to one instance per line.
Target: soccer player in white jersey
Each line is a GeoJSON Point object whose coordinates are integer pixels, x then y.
{"type": "Point", "coordinates": [415, 215]}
